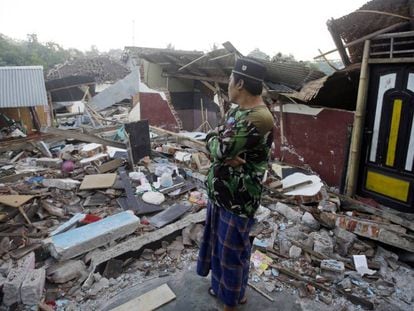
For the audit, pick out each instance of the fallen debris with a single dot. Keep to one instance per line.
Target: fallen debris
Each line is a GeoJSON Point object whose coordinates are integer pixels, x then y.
{"type": "Point", "coordinates": [83, 239]}
{"type": "Point", "coordinates": [150, 300]}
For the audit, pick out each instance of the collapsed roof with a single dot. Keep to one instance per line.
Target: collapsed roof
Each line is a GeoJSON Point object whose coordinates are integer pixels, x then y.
{"type": "Point", "coordinates": [371, 17]}
{"type": "Point", "coordinates": [216, 66]}
{"type": "Point", "coordinates": [101, 68]}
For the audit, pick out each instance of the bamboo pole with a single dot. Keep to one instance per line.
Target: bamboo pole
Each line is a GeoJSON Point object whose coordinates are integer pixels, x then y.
{"type": "Point", "coordinates": [359, 120]}
{"type": "Point", "coordinates": [367, 37]}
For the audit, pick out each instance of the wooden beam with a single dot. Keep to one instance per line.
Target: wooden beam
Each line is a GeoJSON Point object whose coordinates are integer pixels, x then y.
{"type": "Point", "coordinates": [220, 57]}
{"type": "Point", "coordinates": [99, 256]}
{"type": "Point", "coordinates": [223, 80]}
{"type": "Point", "coordinates": [70, 86]}
{"type": "Point", "coordinates": [367, 37]}
{"type": "Point", "coordinates": [189, 142]}
{"type": "Point", "coordinates": [384, 13]}
{"type": "Point", "coordinates": [209, 86]}
{"type": "Point", "coordinates": [402, 34]}
{"type": "Point", "coordinates": [338, 42]}
{"type": "Point", "coordinates": [192, 62]}
{"type": "Point", "coordinates": [391, 60]}
{"type": "Point", "coordinates": [82, 137]}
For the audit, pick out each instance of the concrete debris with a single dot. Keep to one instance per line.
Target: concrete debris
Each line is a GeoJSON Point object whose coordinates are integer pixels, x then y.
{"type": "Point", "coordinates": [83, 239]}
{"type": "Point", "coordinates": [32, 287]}
{"type": "Point", "coordinates": [49, 162]}
{"type": "Point", "coordinates": [295, 252]}
{"type": "Point", "coordinates": [310, 221]}
{"type": "Point", "coordinates": [322, 243]}
{"type": "Point", "coordinates": [66, 271]}
{"type": "Point", "coordinates": [62, 184]}
{"type": "Point", "coordinates": [15, 278]}
{"type": "Point", "coordinates": [286, 211]}
{"type": "Point", "coordinates": [304, 241]}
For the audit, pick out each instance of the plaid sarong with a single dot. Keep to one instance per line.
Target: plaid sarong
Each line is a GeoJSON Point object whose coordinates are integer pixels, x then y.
{"type": "Point", "coordinates": [225, 250]}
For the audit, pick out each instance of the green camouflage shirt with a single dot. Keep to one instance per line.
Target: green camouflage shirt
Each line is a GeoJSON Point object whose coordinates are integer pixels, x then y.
{"type": "Point", "coordinates": [247, 133]}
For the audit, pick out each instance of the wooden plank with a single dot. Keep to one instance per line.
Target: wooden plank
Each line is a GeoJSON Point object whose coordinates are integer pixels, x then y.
{"type": "Point", "coordinates": [223, 80]}
{"type": "Point", "coordinates": [110, 166]}
{"type": "Point", "coordinates": [150, 300]}
{"type": "Point", "coordinates": [391, 60]}
{"type": "Point", "coordinates": [15, 177]}
{"type": "Point", "coordinates": [99, 181]}
{"type": "Point", "coordinates": [99, 256]}
{"type": "Point", "coordinates": [82, 137]}
{"type": "Point", "coordinates": [189, 142]}
{"type": "Point", "coordinates": [15, 200]}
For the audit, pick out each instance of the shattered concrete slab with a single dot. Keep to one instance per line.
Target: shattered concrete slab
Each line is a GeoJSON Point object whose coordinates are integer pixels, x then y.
{"type": "Point", "coordinates": [78, 241]}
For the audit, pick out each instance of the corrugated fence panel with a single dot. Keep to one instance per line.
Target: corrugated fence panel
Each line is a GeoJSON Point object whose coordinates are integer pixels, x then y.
{"type": "Point", "coordinates": [22, 87]}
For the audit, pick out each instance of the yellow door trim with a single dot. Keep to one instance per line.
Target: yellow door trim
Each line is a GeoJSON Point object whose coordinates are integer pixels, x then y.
{"type": "Point", "coordinates": [395, 126]}
{"type": "Point", "coordinates": [389, 186]}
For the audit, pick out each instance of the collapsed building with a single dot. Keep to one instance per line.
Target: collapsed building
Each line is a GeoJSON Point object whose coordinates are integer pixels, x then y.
{"type": "Point", "coordinates": [110, 203]}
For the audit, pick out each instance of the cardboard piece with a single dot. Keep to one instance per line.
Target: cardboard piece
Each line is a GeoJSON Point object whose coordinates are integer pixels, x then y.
{"type": "Point", "coordinates": [99, 181]}
{"type": "Point", "coordinates": [15, 200]}
{"type": "Point", "coordinates": [150, 300]}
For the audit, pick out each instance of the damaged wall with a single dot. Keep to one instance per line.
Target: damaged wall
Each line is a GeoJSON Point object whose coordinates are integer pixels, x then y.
{"type": "Point", "coordinates": [24, 116]}
{"type": "Point", "coordinates": [154, 79]}
{"type": "Point", "coordinates": [155, 109]}
{"type": "Point", "coordinates": [320, 141]}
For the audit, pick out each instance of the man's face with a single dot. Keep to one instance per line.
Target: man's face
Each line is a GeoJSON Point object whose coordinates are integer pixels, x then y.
{"type": "Point", "coordinates": [233, 90]}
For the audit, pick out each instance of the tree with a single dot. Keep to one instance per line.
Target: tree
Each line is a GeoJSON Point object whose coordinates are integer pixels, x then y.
{"type": "Point", "coordinates": [170, 46]}
{"type": "Point", "coordinates": [32, 52]}
{"type": "Point", "coordinates": [256, 53]}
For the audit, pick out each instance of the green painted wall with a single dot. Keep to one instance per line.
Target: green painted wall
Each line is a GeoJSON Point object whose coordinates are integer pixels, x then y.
{"type": "Point", "coordinates": [154, 79]}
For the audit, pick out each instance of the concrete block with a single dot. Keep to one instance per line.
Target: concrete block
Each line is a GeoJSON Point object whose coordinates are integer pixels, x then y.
{"type": "Point", "coordinates": [333, 265]}
{"type": "Point", "coordinates": [286, 211]}
{"type": "Point", "coordinates": [90, 150]}
{"type": "Point", "coordinates": [63, 184]}
{"type": "Point", "coordinates": [83, 239]}
{"type": "Point", "coordinates": [295, 252]}
{"type": "Point", "coordinates": [344, 240]}
{"type": "Point", "coordinates": [322, 243]}
{"type": "Point", "coordinates": [63, 272]}
{"type": "Point", "coordinates": [32, 287]}
{"type": "Point", "coordinates": [15, 278]}
{"type": "Point", "coordinates": [49, 162]}
{"type": "Point", "coordinates": [310, 221]}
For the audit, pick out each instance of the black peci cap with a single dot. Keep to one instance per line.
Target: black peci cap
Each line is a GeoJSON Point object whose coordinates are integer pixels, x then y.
{"type": "Point", "coordinates": [250, 68]}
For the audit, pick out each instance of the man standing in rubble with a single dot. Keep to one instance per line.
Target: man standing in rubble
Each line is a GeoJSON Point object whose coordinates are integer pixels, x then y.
{"type": "Point", "coordinates": [239, 151]}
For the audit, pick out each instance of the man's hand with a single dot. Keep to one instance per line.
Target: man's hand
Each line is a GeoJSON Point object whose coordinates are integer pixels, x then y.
{"type": "Point", "coordinates": [235, 162]}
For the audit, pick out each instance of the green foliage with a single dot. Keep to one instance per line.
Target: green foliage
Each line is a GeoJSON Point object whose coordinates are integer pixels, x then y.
{"type": "Point", "coordinates": [31, 52]}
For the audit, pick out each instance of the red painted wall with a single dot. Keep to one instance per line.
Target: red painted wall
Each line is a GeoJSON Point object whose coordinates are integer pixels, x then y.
{"type": "Point", "coordinates": [320, 142]}
{"type": "Point", "coordinates": [157, 112]}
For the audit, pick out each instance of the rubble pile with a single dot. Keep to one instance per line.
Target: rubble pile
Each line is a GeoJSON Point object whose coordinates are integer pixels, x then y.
{"type": "Point", "coordinates": [306, 249]}
{"type": "Point", "coordinates": [66, 200]}
{"type": "Point", "coordinates": [79, 224]}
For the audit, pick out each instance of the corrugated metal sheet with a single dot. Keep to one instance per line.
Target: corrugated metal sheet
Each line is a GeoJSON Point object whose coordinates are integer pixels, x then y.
{"type": "Point", "coordinates": [22, 87]}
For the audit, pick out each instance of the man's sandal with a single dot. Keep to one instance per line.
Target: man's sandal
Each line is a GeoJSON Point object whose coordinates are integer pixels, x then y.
{"type": "Point", "coordinates": [212, 293]}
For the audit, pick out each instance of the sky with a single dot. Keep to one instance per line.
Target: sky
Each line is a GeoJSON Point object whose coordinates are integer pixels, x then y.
{"type": "Point", "coordinates": [295, 27]}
